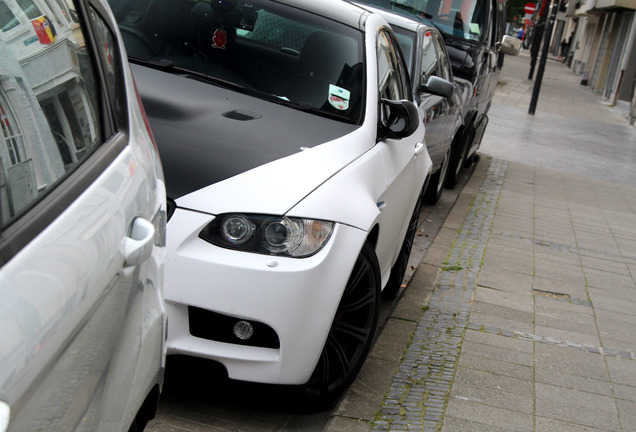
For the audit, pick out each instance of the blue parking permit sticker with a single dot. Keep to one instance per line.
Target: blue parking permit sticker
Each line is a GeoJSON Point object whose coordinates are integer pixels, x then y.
{"type": "Point", "coordinates": [339, 97]}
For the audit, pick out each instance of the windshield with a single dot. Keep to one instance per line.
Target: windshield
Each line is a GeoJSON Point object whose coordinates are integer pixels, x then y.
{"type": "Point", "coordinates": [465, 19]}
{"type": "Point", "coordinates": [263, 48]}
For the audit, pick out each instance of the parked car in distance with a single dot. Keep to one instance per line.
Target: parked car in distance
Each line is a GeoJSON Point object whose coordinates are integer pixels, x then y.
{"type": "Point", "coordinates": [294, 165]}
{"type": "Point", "coordinates": [440, 99]}
{"type": "Point", "coordinates": [474, 34]}
{"type": "Point", "coordinates": [82, 214]}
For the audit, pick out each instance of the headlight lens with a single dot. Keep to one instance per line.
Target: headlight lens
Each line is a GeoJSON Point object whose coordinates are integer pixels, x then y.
{"type": "Point", "coordinates": [272, 235]}
{"type": "Point", "coordinates": [236, 229]}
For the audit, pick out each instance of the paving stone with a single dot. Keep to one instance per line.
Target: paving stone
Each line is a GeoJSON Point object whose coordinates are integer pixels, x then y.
{"type": "Point", "coordinates": [522, 302]}
{"type": "Point", "coordinates": [582, 400]}
{"type": "Point", "coordinates": [570, 362]}
{"type": "Point", "coordinates": [454, 424]}
{"type": "Point", "coordinates": [559, 335]}
{"type": "Point", "coordinates": [488, 415]}
{"type": "Point", "coordinates": [499, 353]}
{"type": "Point", "coordinates": [571, 413]}
{"type": "Point", "coordinates": [496, 397]}
{"type": "Point", "coordinates": [476, 378]}
{"type": "Point", "coordinates": [552, 425]}
{"type": "Point", "coordinates": [622, 371]}
{"type": "Point", "coordinates": [496, 366]}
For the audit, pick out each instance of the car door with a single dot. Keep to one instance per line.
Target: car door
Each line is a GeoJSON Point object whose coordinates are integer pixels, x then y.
{"type": "Point", "coordinates": [491, 55]}
{"type": "Point", "coordinates": [453, 105]}
{"type": "Point", "coordinates": [81, 213]}
{"type": "Point", "coordinates": [403, 169]}
{"type": "Point", "coordinates": [433, 109]}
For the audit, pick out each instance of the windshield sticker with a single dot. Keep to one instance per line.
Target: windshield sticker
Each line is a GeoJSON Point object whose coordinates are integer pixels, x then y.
{"type": "Point", "coordinates": [219, 40]}
{"type": "Point", "coordinates": [339, 97]}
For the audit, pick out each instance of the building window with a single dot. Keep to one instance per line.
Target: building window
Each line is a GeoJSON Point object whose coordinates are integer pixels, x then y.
{"type": "Point", "coordinates": [12, 134]}
{"type": "Point", "coordinates": [29, 8]}
{"type": "Point", "coordinates": [8, 20]}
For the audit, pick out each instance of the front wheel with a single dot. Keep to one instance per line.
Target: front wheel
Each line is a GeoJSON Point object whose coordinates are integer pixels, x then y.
{"type": "Point", "coordinates": [458, 156]}
{"type": "Point", "coordinates": [351, 334]}
{"type": "Point", "coordinates": [399, 268]}
{"type": "Point", "coordinates": [436, 185]}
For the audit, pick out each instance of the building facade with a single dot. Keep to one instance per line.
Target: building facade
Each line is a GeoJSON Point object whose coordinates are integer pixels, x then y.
{"type": "Point", "coordinates": [603, 49]}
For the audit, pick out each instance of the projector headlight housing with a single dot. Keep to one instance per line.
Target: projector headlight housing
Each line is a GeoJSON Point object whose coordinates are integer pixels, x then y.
{"type": "Point", "coordinates": [269, 235]}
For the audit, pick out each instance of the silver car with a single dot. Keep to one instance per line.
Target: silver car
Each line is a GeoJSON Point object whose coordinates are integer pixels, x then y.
{"type": "Point", "coordinates": [82, 218]}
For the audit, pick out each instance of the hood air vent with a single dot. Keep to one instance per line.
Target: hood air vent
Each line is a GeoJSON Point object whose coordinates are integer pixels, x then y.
{"type": "Point", "coordinates": [241, 115]}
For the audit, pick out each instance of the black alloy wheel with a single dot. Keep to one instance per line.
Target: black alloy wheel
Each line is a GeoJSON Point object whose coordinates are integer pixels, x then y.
{"type": "Point", "coordinates": [351, 335]}
{"type": "Point", "coordinates": [399, 268]}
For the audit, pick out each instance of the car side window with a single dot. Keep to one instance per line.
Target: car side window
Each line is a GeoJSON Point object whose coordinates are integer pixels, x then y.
{"type": "Point", "coordinates": [392, 76]}
{"type": "Point", "coordinates": [109, 58]}
{"type": "Point", "coordinates": [429, 65]}
{"type": "Point", "coordinates": [444, 69]}
{"type": "Point", "coordinates": [51, 105]}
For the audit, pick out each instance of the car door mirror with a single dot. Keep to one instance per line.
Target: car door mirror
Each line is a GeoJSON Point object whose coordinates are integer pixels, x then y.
{"type": "Point", "coordinates": [509, 45]}
{"type": "Point", "coordinates": [399, 120]}
{"type": "Point", "coordinates": [438, 86]}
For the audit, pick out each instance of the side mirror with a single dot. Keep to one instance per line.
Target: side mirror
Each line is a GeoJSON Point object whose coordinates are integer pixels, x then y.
{"type": "Point", "coordinates": [509, 45]}
{"type": "Point", "coordinates": [398, 119]}
{"type": "Point", "coordinates": [438, 86]}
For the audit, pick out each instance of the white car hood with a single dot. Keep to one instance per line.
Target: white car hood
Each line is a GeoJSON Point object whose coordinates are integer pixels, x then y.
{"type": "Point", "coordinates": [276, 187]}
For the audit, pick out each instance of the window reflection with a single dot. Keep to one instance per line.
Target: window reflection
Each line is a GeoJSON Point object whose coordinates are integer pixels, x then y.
{"type": "Point", "coordinates": [49, 109]}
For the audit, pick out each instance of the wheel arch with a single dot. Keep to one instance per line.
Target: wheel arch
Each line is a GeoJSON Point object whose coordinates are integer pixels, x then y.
{"type": "Point", "coordinates": [148, 408]}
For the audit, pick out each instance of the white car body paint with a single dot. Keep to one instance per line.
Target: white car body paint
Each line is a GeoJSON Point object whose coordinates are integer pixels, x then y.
{"type": "Point", "coordinates": [344, 181]}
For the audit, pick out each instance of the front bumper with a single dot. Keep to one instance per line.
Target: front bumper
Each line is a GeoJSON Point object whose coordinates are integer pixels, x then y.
{"type": "Point", "coordinates": [296, 298]}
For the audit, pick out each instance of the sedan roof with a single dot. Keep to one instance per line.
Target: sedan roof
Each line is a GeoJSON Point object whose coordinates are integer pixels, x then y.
{"type": "Point", "coordinates": [394, 18]}
{"type": "Point", "coordinates": [338, 10]}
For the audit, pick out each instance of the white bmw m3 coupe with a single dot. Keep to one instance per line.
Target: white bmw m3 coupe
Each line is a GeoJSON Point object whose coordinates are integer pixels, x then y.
{"type": "Point", "coordinates": [290, 147]}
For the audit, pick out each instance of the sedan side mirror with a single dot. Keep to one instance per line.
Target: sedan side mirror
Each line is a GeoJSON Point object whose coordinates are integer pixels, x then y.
{"type": "Point", "coordinates": [438, 86]}
{"type": "Point", "coordinates": [398, 119]}
{"type": "Point", "coordinates": [509, 45]}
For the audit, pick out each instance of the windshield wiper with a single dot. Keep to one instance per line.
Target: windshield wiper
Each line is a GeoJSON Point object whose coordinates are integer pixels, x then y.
{"type": "Point", "coordinates": [301, 106]}
{"type": "Point", "coordinates": [306, 107]}
{"type": "Point", "coordinates": [155, 64]}
{"type": "Point", "coordinates": [168, 66]}
{"type": "Point", "coordinates": [199, 76]}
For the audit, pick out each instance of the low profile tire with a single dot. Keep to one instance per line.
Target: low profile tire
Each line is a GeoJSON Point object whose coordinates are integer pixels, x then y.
{"type": "Point", "coordinates": [457, 160]}
{"type": "Point", "coordinates": [474, 158]}
{"type": "Point", "coordinates": [436, 185]}
{"type": "Point", "coordinates": [399, 268]}
{"type": "Point", "coordinates": [350, 337]}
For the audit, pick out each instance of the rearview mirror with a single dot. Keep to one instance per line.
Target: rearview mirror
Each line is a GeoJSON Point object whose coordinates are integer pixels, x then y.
{"type": "Point", "coordinates": [509, 45]}
{"type": "Point", "coordinates": [398, 119]}
{"type": "Point", "coordinates": [438, 86]}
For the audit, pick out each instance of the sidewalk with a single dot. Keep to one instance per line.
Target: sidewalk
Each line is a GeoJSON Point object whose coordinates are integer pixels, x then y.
{"type": "Point", "coordinates": [532, 322]}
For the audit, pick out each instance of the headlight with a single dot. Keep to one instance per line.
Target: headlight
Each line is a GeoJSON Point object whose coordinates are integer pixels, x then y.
{"type": "Point", "coordinates": [271, 235]}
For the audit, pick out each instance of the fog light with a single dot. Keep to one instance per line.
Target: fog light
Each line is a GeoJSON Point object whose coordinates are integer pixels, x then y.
{"type": "Point", "coordinates": [243, 330]}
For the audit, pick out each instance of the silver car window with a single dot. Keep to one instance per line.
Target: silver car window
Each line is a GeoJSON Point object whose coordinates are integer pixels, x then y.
{"type": "Point", "coordinates": [50, 113]}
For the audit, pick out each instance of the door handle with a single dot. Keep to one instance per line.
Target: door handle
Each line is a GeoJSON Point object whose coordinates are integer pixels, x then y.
{"type": "Point", "coordinates": [419, 148]}
{"type": "Point", "coordinates": [138, 243]}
